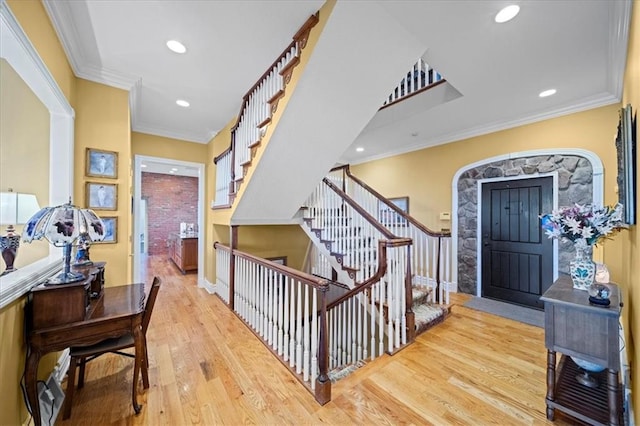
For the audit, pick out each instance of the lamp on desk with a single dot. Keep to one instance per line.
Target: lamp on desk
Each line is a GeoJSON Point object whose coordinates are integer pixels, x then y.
{"type": "Point", "coordinates": [15, 209]}
{"type": "Point", "coordinates": [61, 226]}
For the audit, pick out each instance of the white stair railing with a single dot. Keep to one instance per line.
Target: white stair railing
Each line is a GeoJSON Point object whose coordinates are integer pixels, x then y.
{"type": "Point", "coordinates": [223, 183]}
{"type": "Point", "coordinates": [286, 309]}
{"type": "Point", "coordinates": [431, 252]}
{"type": "Point", "coordinates": [418, 78]}
{"type": "Point", "coordinates": [258, 106]}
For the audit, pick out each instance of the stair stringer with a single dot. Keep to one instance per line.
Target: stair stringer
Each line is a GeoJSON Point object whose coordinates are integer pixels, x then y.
{"type": "Point", "coordinates": [343, 276]}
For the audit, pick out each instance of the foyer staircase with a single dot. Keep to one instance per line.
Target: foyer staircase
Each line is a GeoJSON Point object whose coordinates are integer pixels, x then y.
{"type": "Point", "coordinates": [373, 283]}
{"type": "Point", "coordinates": [345, 238]}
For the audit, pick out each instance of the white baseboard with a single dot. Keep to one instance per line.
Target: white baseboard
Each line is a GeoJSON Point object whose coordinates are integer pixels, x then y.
{"type": "Point", "coordinates": [210, 287]}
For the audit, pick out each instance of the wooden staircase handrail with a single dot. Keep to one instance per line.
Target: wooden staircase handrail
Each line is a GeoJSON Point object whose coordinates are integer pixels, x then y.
{"type": "Point", "coordinates": [372, 220]}
{"type": "Point", "coordinates": [300, 36]}
{"type": "Point", "coordinates": [321, 284]}
{"type": "Point", "coordinates": [382, 270]}
{"type": "Point", "coordinates": [392, 206]}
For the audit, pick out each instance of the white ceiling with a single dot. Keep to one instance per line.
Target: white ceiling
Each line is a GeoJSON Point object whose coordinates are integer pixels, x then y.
{"type": "Point", "coordinates": [494, 72]}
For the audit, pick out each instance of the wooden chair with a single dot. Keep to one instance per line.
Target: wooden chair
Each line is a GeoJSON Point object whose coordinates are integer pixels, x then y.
{"type": "Point", "coordinates": [82, 354]}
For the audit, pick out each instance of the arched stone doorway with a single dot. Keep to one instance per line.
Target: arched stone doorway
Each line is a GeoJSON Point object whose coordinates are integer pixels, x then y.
{"type": "Point", "coordinates": [579, 179]}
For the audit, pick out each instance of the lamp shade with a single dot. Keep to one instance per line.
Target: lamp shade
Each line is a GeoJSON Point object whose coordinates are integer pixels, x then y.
{"type": "Point", "coordinates": [61, 225]}
{"type": "Point", "coordinates": [16, 208]}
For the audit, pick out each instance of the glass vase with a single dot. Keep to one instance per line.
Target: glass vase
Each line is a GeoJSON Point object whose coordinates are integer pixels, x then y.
{"type": "Point", "coordinates": [582, 269]}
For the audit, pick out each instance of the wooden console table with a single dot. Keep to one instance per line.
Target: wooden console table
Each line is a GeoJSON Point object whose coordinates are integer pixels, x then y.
{"type": "Point", "coordinates": [116, 312]}
{"type": "Point", "coordinates": [577, 328]}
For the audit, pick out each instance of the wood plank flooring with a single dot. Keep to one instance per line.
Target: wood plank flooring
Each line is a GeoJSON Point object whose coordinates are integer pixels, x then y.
{"type": "Point", "coordinates": [207, 368]}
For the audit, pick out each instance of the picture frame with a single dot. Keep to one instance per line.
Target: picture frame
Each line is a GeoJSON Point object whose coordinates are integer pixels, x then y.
{"type": "Point", "coordinates": [101, 163]}
{"type": "Point", "coordinates": [627, 168]}
{"type": "Point", "coordinates": [101, 196]}
{"type": "Point", "coordinates": [389, 217]}
{"type": "Point", "coordinates": [110, 231]}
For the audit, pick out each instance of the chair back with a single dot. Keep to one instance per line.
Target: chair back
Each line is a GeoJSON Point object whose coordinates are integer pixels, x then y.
{"type": "Point", "coordinates": [148, 307]}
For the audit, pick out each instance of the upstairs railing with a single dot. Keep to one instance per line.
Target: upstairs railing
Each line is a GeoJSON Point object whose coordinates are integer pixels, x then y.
{"type": "Point", "coordinates": [258, 106]}
{"type": "Point", "coordinates": [431, 253]}
{"type": "Point", "coordinates": [419, 78]}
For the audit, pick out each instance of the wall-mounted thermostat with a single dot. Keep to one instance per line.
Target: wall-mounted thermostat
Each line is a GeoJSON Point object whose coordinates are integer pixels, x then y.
{"type": "Point", "coordinates": [445, 216]}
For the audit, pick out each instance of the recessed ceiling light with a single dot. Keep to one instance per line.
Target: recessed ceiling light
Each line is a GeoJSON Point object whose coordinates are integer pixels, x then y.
{"type": "Point", "coordinates": [546, 93]}
{"type": "Point", "coordinates": [507, 14]}
{"type": "Point", "coordinates": [174, 169]}
{"type": "Point", "coordinates": [183, 103]}
{"type": "Point", "coordinates": [176, 46]}
{"type": "Point", "coordinates": [143, 165]}
{"type": "Point", "coordinates": [359, 149]}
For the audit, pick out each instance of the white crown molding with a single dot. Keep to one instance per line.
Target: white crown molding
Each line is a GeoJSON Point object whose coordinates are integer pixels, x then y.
{"type": "Point", "coordinates": [619, 26]}
{"type": "Point", "coordinates": [70, 35]}
{"type": "Point", "coordinates": [591, 102]}
{"type": "Point", "coordinates": [63, 24]}
{"type": "Point", "coordinates": [17, 49]}
{"type": "Point", "coordinates": [185, 136]}
{"type": "Point", "coordinates": [108, 77]}
{"type": "Point", "coordinates": [134, 102]}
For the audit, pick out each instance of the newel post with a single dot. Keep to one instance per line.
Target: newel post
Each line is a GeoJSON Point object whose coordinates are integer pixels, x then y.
{"type": "Point", "coordinates": [232, 266]}
{"type": "Point", "coordinates": [323, 384]}
{"type": "Point", "coordinates": [409, 314]}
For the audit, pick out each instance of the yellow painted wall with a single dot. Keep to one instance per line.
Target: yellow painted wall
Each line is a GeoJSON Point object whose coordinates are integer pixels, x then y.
{"type": "Point", "coordinates": [24, 148]}
{"type": "Point", "coordinates": [631, 248]}
{"type": "Point", "coordinates": [426, 175]}
{"type": "Point", "coordinates": [33, 19]}
{"type": "Point", "coordinates": [217, 221]}
{"type": "Point", "coordinates": [275, 241]}
{"type": "Point", "coordinates": [175, 149]}
{"type": "Point", "coordinates": [102, 121]}
{"type": "Point", "coordinates": [35, 23]}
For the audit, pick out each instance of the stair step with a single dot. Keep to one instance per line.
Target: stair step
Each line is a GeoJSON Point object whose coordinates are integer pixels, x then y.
{"type": "Point", "coordinates": [428, 315]}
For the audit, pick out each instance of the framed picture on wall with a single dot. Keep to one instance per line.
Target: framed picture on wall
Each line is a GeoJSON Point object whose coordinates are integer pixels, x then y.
{"type": "Point", "coordinates": [101, 196]}
{"type": "Point", "coordinates": [102, 163]}
{"type": "Point", "coordinates": [110, 230]}
{"type": "Point", "coordinates": [627, 167]}
{"type": "Point", "coordinates": [389, 217]}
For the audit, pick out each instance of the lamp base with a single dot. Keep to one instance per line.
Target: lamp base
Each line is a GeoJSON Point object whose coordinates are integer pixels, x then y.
{"type": "Point", "coordinates": [65, 278]}
{"type": "Point", "coordinates": [9, 245]}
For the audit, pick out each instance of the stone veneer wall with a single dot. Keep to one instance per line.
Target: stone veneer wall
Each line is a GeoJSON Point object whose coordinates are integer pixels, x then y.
{"type": "Point", "coordinates": [575, 185]}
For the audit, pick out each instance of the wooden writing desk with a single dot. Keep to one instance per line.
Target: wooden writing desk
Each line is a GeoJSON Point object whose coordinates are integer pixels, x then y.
{"type": "Point", "coordinates": [117, 312]}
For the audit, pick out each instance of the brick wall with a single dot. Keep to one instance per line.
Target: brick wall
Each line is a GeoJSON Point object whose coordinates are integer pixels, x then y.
{"type": "Point", "coordinates": [170, 200]}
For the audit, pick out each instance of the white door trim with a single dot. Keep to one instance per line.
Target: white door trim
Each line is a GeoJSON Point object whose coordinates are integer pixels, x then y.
{"type": "Point", "coordinates": [137, 171]}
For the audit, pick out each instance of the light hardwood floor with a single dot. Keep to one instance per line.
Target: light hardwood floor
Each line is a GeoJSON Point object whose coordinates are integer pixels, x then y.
{"type": "Point", "coordinates": [207, 368]}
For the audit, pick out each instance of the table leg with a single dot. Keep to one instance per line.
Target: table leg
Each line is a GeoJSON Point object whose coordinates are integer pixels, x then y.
{"type": "Point", "coordinates": [138, 339]}
{"type": "Point", "coordinates": [612, 391]}
{"type": "Point", "coordinates": [31, 383]}
{"type": "Point", "coordinates": [551, 383]}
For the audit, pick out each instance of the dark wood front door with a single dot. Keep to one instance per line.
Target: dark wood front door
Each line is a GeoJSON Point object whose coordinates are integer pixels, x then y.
{"type": "Point", "coordinates": [517, 258]}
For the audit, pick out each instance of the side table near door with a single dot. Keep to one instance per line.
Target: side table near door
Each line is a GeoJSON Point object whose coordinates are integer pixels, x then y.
{"type": "Point", "coordinates": [578, 329]}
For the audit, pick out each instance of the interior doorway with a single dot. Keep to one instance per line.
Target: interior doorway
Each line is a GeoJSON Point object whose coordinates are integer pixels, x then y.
{"type": "Point", "coordinates": [140, 241]}
{"type": "Point", "coordinates": [517, 258]}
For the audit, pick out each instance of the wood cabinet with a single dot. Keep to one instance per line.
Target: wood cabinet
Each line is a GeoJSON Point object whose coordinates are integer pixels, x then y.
{"type": "Point", "coordinates": [57, 304]}
{"type": "Point", "coordinates": [578, 329]}
{"type": "Point", "coordinates": [183, 251]}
